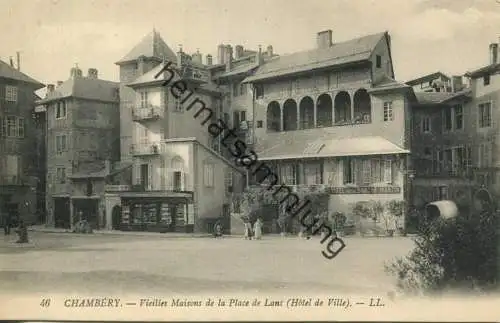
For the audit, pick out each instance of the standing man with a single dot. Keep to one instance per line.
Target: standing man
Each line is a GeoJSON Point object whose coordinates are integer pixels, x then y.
{"type": "Point", "coordinates": [6, 222]}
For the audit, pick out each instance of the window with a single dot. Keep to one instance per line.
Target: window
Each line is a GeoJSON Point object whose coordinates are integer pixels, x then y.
{"type": "Point", "coordinates": [388, 171]}
{"type": "Point", "coordinates": [486, 80]}
{"type": "Point", "coordinates": [12, 165]}
{"type": "Point", "coordinates": [447, 119]}
{"type": "Point", "coordinates": [378, 59]}
{"type": "Point", "coordinates": [11, 93]}
{"type": "Point", "coordinates": [208, 175]}
{"type": "Point", "coordinates": [20, 127]}
{"type": "Point", "coordinates": [236, 119]}
{"type": "Point", "coordinates": [484, 115]}
{"type": "Point", "coordinates": [288, 174]}
{"type": "Point", "coordinates": [243, 116]}
{"type": "Point", "coordinates": [484, 155]}
{"type": "Point", "coordinates": [426, 124]}
{"type": "Point", "coordinates": [61, 110]}
{"type": "Point", "coordinates": [61, 175]}
{"type": "Point", "coordinates": [177, 181]}
{"type": "Point", "coordinates": [313, 173]}
{"type": "Point", "coordinates": [229, 180]}
{"type": "Point", "coordinates": [61, 144]}
{"type": "Point", "coordinates": [260, 123]}
{"type": "Point", "coordinates": [349, 172]}
{"type": "Point", "coordinates": [259, 91]}
{"type": "Point", "coordinates": [243, 88]}
{"type": "Point", "coordinates": [458, 116]}
{"type": "Point", "coordinates": [12, 127]}
{"type": "Point", "coordinates": [367, 171]}
{"type": "Point", "coordinates": [388, 111]}
{"type": "Point", "coordinates": [143, 99]}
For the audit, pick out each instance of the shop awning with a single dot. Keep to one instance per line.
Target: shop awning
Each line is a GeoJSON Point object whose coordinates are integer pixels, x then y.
{"type": "Point", "coordinates": [340, 147]}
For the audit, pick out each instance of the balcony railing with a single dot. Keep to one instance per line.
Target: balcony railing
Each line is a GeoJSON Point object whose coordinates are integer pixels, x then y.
{"type": "Point", "coordinates": [117, 188]}
{"type": "Point", "coordinates": [147, 148]}
{"type": "Point", "coordinates": [147, 113]}
{"type": "Point", "coordinates": [334, 190]}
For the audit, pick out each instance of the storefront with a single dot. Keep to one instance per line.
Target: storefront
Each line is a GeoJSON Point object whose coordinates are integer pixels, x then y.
{"type": "Point", "coordinates": [157, 213]}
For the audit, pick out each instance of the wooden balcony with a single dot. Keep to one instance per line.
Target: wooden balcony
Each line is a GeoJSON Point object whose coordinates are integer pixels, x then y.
{"type": "Point", "coordinates": [149, 113]}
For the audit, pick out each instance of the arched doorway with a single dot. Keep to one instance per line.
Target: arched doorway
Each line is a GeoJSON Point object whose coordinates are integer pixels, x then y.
{"type": "Point", "coordinates": [116, 215]}
{"type": "Point", "coordinates": [273, 116]}
{"type": "Point", "coordinates": [362, 107]}
{"type": "Point", "coordinates": [306, 108]}
{"type": "Point", "coordinates": [342, 108]}
{"type": "Point", "coordinates": [290, 115]}
{"type": "Point", "coordinates": [324, 111]}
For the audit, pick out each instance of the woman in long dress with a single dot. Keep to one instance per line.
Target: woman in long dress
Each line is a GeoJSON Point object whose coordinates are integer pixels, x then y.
{"type": "Point", "coordinates": [248, 229]}
{"type": "Point", "coordinates": [258, 229]}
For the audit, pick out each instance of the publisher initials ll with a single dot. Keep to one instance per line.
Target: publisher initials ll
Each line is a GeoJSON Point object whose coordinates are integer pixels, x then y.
{"type": "Point", "coordinates": [376, 302]}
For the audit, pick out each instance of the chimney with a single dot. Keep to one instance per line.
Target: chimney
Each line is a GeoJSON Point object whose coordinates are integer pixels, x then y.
{"type": "Point", "coordinates": [50, 88]}
{"type": "Point", "coordinates": [209, 60]}
{"type": "Point", "coordinates": [197, 57]}
{"type": "Point", "coordinates": [270, 51]}
{"type": "Point", "coordinates": [238, 52]}
{"type": "Point", "coordinates": [221, 50]}
{"type": "Point", "coordinates": [11, 62]}
{"type": "Point", "coordinates": [18, 54]}
{"type": "Point", "coordinates": [92, 73]}
{"type": "Point", "coordinates": [59, 83]}
{"type": "Point", "coordinates": [324, 39]}
{"type": "Point", "coordinates": [457, 83]}
{"type": "Point", "coordinates": [228, 57]}
{"type": "Point", "coordinates": [259, 58]}
{"type": "Point", "coordinates": [493, 53]}
{"type": "Point", "coordinates": [75, 72]}
{"type": "Point", "coordinates": [140, 65]}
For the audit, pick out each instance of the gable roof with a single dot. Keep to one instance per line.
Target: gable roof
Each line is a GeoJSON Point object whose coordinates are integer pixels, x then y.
{"type": "Point", "coordinates": [386, 83]}
{"type": "Point", "coordinates": [351, 51]}
{"type": "Point", "coordinates": [427, 78]}
{"type": "Point", "coordinates": [85, 88]}
{"type": "Point", "coordinates": [9, 72]}
{"type": "Point", "coordinates": [151, 46]}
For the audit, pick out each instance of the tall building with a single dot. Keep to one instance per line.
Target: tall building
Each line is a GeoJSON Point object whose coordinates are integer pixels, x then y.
{"type": "Point", "coordinates": [334, 117]}
{"type": "Point", "coordinates": [82, 116]}
{"type": "Point", "coordinates": [180, 181]}
{"type": "Point", "coordinates": [18, 169]}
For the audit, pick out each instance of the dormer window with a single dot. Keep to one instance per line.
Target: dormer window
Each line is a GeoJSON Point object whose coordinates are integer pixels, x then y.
{"type": "Point", "coordinates": [486, 79]}
{"type": "Point", "coordinates": [378, 62]}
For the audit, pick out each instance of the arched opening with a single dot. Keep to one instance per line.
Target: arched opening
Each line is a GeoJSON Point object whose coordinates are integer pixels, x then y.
{"type": "Point", "coordinates": [290, 115]}
{"type": "Point", "coordinates": [116, 217]}
{"type": "Point", "coordinates": [342, 108]}
{"type": "Point", "coordinates": [273, 116]}
{"type": "Point", "coordinates": [324, 111]}
{"type": "Point", "coordinates": [362, 107]}
{"type": "Point", "coordinates": [306, 108]}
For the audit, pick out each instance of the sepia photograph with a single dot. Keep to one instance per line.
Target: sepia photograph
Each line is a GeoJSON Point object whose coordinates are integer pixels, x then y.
{"type": "Point", "coordinates": [265, 160]}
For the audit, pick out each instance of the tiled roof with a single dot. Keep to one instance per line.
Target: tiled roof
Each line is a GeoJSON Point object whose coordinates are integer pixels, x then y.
{"type": "Point", "coordinates": [316, 143]}
{"type": "Point", "coordinates": [427, 77]}
{"type": "Point", "coordinates": [438, 97]}
{"type": "Point", "coordinates": [387, 83]}
{"type": "Point", "coordinates": [149, 77]}
{"type": "Point", "coordinates": [9, 72]}
{"type": "Point", "coordinates": [354, 50]}
{"type": "Point", "coordinates": [484, 70]}
{"type": "Point", "coordinates": [85, 88]}
{"type": "Point", "coordinates": [242, 69]}
{"type": "Point", "coordinates": [152, 45]}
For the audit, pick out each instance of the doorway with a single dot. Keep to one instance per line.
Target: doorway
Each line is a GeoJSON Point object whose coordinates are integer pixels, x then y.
{"type": "Point", "coordinates": [87, 209]}
{"type": "Point", "coordinates": [61, 213]}
{"type": "Point", "coordinates": [116, 215]}
{"type": "Point", "coordinates": [145, 176]}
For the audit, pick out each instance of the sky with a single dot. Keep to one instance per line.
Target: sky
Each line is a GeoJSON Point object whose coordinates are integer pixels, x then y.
{"type": "Point", "coordinates": [52, 36]}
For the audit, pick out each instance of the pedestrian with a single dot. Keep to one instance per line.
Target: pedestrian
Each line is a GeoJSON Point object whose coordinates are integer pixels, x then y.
{"type": "Point", "coordinates": [248, 229]}
{"type": "Point", "coordinates": [258, 229]}
{"type": "Point", "coordinates": [22, 232]}
{"type": "Point", "coordinates": [7, 222]}
{"type": "Point", "coordinates": [218, 229]}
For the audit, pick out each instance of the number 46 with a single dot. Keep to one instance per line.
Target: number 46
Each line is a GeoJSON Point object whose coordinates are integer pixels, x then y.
{"type": "Point", "coordinates": [45, 302]}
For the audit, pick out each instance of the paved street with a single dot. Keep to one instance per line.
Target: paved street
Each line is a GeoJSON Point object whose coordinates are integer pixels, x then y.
{"type": "Point", "coordinates": [159, 264]}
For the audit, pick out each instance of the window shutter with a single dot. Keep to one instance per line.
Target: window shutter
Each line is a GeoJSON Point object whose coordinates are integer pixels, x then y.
{"type": "Point", "coordinates": [137, 174]}
{"type": "Point", "coordinates": [150, 176]}
{"type": "Point", "coordinates": [388, 171]}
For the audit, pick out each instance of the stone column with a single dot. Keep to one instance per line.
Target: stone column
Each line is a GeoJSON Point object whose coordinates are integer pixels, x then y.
{"type": "Point", "coordinates": [71, 215]}
{"type": "Point", "coordinates": [298, 115]}
{"type": "Point", "coordinates": [281, 118]}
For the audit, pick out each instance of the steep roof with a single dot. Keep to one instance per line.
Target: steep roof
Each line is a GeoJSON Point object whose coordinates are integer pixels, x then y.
{"type": "Point", "coordinates": [9, 72]}
{"type": "Point", "coordinates": [386, 83]}
{"type": "Point", "coordinates": [427, 78]}
{"type": "Point", "coordinates": [351, 51]}
{"type": "Point", "coordinates": [85, 88]}
{"type": "Point", "coordinates": [152, 45]}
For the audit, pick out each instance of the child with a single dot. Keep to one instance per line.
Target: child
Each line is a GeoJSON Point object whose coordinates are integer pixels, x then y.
{"type": "Point", "coordinates": [218, 229]}
{"type": "Point", "coordinates": [258, 229]}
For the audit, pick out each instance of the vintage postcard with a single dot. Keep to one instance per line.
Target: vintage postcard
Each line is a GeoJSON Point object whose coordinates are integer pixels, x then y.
{"type": "Point", "coordinates": [168, 160]}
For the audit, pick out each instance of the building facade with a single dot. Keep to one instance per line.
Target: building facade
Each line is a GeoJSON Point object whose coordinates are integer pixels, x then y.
{"type": "Point", "coordinates": [82, 117]}
{"type": "Point", "coordinates": [18, 169]}
{"type": "Point", "coordinates": [334, 117]}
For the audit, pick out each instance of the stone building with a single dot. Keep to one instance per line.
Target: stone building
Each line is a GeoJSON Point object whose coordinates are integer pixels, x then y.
{"type": "Point", "coordinates": [82, 118]}
{"type": "Point", "coordinates": [18, 169]}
